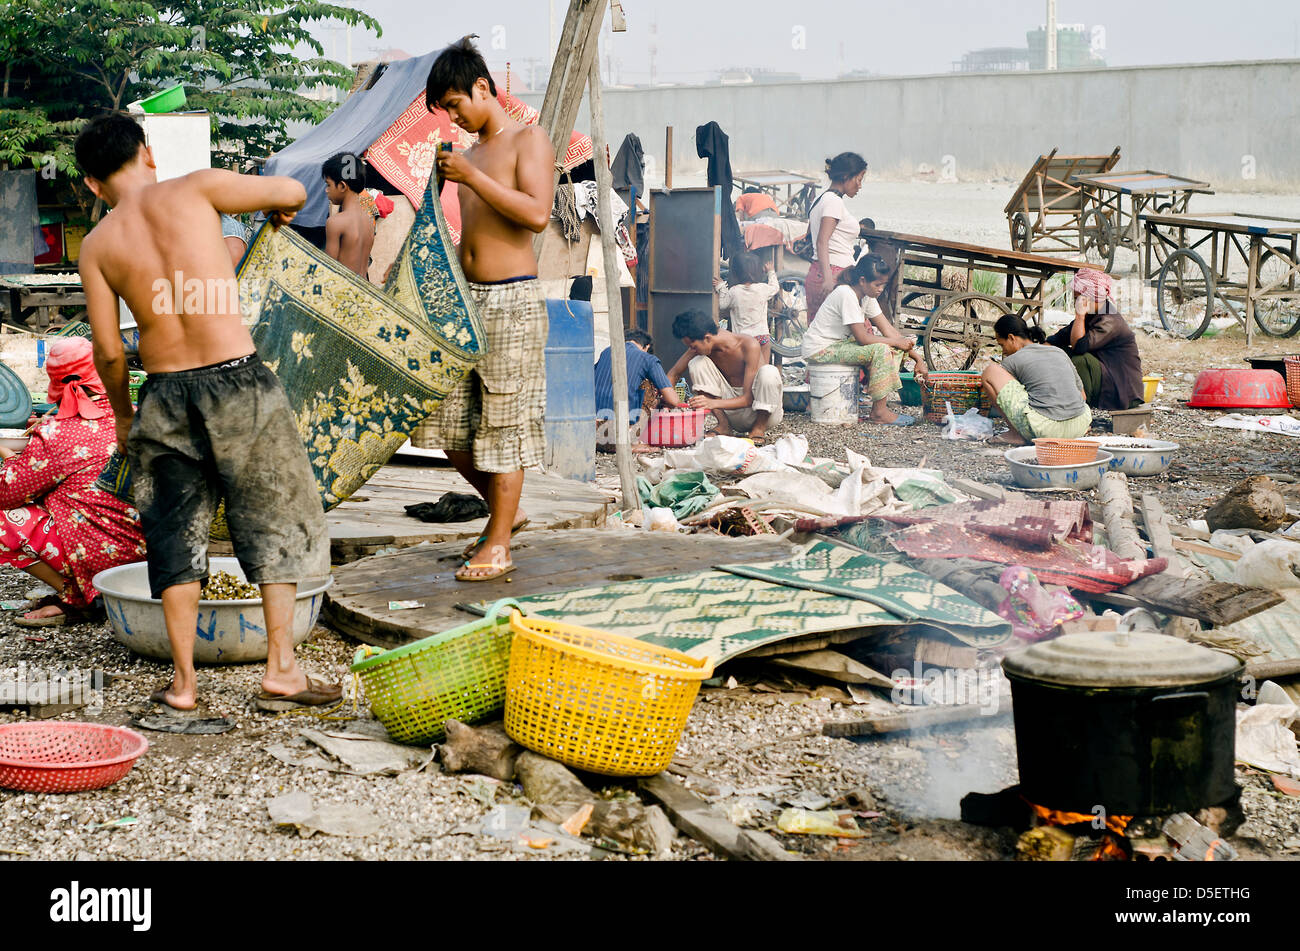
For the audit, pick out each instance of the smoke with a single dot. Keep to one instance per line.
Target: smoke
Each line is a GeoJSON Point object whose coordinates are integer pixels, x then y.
{"type": "Point", "coordinates": [985, 762]}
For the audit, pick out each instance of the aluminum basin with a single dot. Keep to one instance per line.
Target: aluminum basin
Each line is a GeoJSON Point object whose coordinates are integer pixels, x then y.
{"type": "Point", "coordinates": [229, 632]}
{"type": "Point", "coordinates": [1030, 475]}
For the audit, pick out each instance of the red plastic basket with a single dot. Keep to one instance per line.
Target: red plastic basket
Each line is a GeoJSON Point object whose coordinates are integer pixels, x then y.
{"type": "Point", "coordinates": [66, 757]}
{"type": "Point", "coordinates": [1293, 380]}
{"type": "Point", "coordinates": [676, 427]}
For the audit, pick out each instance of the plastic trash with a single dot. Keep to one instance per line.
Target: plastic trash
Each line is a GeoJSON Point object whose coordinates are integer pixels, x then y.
{"type": "Point", "coordinates": [1271, 564]}
{"type": "Point", "coordinates": [804, 822]}
{"type": "Point", "coordinates": [969, 425]}
{"type": "Point", "coordinates": [506, 822]}
{"type": "Point", "coordinates": [661, 520]}
{"type": "Point", "coordinates": [1033, 611]}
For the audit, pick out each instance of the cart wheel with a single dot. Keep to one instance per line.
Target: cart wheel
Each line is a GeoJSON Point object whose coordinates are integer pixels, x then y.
{"type": "Point", "coordinates": [1185, 294]}
{"type": "Point", "coordinates": [1164, 208]}
{"type": "Point", "coordinates": [960, 330]}
{"type": "Point", "coordinates": [1022, 233]}
{"type": "Point", "coordinates": [1098, 241]}
{"type": "Point", "coordinates": [1278, 316]}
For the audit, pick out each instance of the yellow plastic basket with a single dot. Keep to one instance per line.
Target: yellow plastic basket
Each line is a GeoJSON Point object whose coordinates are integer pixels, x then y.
{"type": "Point", "coordinates": [598, 701]}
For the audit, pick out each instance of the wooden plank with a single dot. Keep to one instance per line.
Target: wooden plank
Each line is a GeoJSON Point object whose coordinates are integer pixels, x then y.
{"type": "Point", "coordinates": [1218, 602]}
{"type": "Point", "coordinates": [833, 666]}
{"type": "Point", "coordinates": [1156, 523]}
{"type": "Point", "coordinates": [709, 827]}
{"type": "Point", "coordinates": [357, 605]}
{"type": "Point", "coordinates": [1180, 545]}
{"type": "Point", "coordinates": [917, 718]}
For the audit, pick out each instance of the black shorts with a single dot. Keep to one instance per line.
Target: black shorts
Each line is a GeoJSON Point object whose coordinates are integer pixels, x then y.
{"type": "Point", "coordinates": [225, 431]}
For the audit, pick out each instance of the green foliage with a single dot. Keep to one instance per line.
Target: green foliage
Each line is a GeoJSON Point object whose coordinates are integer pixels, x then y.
{"type": "Point", "coordinates": [247, 62]}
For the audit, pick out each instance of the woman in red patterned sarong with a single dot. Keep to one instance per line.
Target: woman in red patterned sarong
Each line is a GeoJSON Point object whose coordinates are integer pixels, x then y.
{"type": "Point", "coordinates": [54, 524]}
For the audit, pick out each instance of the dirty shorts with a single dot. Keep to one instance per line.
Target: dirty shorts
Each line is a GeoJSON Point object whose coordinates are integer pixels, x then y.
{"type": "Point", "coordinates": [224, 431]}
{"type": "Point", "coordinates": [496, 413]}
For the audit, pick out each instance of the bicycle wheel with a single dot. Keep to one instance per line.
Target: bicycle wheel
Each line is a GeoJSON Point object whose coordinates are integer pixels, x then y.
{"type": "Point", "coordinates": [1185, 294]}
{"type": "Point", "coordinates": [1278, 316]}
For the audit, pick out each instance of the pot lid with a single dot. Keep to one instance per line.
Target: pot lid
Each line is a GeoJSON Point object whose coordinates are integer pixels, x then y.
{"type": "Point", "coordinates": [1120, 659]}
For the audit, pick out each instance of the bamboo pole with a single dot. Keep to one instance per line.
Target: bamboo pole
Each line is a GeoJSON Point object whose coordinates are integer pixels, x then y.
{"type": "Point", "coordinates": [617, 348]}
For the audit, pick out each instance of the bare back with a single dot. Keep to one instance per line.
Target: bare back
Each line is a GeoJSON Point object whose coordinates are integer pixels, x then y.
{"type": "Point", "coordinates": [732, 352]}
{"type": "Point", "coordinates": [492, 247]}
{"type": "Point", "coordinates": [354, 229]}
{"type": "Point", "coordinates": [161, 250]}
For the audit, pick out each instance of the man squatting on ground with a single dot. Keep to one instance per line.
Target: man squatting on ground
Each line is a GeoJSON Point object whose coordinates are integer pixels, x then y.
{"type": "Point", "coordinates": [491, 426]}
{"type": "Point", "coordinates": [213, 420]}
{"type": "Point", "coordinates": [729, 376]}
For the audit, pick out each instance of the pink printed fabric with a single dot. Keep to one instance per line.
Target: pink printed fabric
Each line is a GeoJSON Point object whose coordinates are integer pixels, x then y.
{"type": "Point", "coordinates": [1052, 539]}
{"type": "Point", "coordinates": [55, 475]}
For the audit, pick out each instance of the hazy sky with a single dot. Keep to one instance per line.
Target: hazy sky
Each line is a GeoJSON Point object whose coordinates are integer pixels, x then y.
{"type": "Point", "coordinates": [819, 38]}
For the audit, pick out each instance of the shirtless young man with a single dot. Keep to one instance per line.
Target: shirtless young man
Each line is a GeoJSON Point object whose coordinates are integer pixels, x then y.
{"type": "Point", "coordinates": [729, 376]}
{"type": "Point", "coordinates": [491, 425]}
{"type": "Point", "coordinates": [213, 420]}
{"type": "Point", "coordinates": [350, 234]}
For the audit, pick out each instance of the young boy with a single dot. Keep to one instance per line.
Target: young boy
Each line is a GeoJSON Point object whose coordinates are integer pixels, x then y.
{"type": "Point", "coordinates": [214, 421]}
{"type": "Point", "coordinates": [727, 369]}
{"type": "Point", "coordinates": [350, 234]}
{"type": "Point", "coordinates": [642, 367]}
{"type": "Point", "coordinates": [491, 425]}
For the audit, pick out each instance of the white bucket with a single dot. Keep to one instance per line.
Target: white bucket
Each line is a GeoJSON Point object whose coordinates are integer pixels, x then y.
{"type": "Point", "coordinates": [834, 391]}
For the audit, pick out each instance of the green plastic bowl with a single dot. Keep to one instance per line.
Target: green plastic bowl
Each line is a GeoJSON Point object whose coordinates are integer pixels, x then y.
{"type": "Point", "coordinates": [910, 394]}
{"type": "Point", "coordinates": [169, 100]}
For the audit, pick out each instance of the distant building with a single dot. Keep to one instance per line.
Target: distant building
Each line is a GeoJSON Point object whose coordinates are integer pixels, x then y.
{"type": "Point", "coordinates": [995, 59]}
{"type": "Point", "coordinates": [747, 77]}
{"type": "Point", "coordinates": [1074, 50]}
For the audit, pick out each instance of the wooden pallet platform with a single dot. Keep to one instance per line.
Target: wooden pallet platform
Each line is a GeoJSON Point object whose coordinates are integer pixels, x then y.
{"type": "Point", "coordinates": [357, 605]}
{"type": "Point", "coordinates": [375, 519]}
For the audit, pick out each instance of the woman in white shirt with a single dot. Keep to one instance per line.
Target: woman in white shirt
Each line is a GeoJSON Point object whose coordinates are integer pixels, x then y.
{"type": "Point", "coordinates": [747, 296]}
{"type": "Point", "coordinates": [833, 230]}
{"type": "Point", "coordinates": [842, 332]}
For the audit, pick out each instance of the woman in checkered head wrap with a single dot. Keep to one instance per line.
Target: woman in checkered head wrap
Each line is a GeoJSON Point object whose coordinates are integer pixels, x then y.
{"type": "Point", "coordinates": [1101, 344]}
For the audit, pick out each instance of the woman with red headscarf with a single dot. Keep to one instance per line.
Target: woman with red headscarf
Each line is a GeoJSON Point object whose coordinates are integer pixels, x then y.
{"type": "Point", "coordinates": [1101, 345]}
{"type": "Point", "coordinates": [54, 524]}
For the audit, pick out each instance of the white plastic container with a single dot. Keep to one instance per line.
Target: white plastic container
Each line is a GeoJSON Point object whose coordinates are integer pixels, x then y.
{"type": "Point", "coordinates": [835, 392]}
{"type": "Point", "coordinates": [229, 632]}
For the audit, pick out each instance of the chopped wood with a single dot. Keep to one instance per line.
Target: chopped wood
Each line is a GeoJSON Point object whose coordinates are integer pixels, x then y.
{"type": "Point", "coordinates": [1218, 602]}
{"type": "Point", "coordinates": [1045, 844]}
{"type": "Point", "coordinates": [485, 750]}
{"type": "Point", "coordinates": [918, 718]}
{"type": "Point", "coordinates": [1117, 515]}
{"type": "Point", "coordinates": [1156, 523]}
{"type": "Point", "coordinates": [1253, 503]}
{"type": "Point", "coordinates": [982, 490]}
{"type": "Point", "coordinates": [710, 828]}
{"type": "Point", "coordinates": [833, 666]}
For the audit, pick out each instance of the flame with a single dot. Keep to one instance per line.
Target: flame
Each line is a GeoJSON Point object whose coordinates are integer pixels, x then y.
{"type": "Point", "coordinates": [1110, 848]}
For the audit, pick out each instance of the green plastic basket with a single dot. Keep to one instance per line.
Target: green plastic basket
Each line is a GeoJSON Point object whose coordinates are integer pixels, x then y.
{"type": "Point", "coordinates": [456, 675]}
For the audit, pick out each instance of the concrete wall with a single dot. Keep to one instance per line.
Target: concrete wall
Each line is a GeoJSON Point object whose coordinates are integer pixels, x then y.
{"type": "Point", "coordinates": [1195, 120]}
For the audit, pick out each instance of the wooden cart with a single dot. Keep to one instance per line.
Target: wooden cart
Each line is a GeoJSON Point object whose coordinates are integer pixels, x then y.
{"type": "Point", "coordinates": [1234, 265]}
{"type": "Point", "coordinates": [1115, 202]}
{"type": "Point", "coordinates": [933, 292]}
{"type": "Point", "coordinates": [800, 190]}
{"type": "Point", "coordinates": [1047, 208]}
{"type": "Point", "coordinates": [41, 295]}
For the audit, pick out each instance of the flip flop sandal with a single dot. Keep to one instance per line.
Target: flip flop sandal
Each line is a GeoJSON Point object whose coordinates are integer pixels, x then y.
{"type": "Point", "coordinates": [904, 419]}
{"type": "Point", "coordinates": [495, 572]}
{"type": "Point", "coordinates": [69, 615]}
{"type": "Point", "coordinates": [317, 694]}
{"type": "Point", "coordinates": [196, 726]}
{"type": "Point", "coordinates": [159, 696]}
{"type": "Point", "coordinates": [469, 551]}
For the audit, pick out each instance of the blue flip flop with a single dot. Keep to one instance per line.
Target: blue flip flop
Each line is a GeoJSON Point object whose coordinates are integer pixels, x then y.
{"type": "Point", "coordinates": [904, 419]}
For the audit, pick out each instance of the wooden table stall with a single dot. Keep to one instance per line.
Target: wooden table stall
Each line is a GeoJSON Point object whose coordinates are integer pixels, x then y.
{"type": "Point", "coordinates": [1114, 203]}
{"type": "Point", "coordinates": [932, 292]}
{"type": "Point", "coordinates": [1048, 207]}
{"type": "Point", "coordinates": [40, 295]}
{"type": "Point", "coordinates": [1236, 265]}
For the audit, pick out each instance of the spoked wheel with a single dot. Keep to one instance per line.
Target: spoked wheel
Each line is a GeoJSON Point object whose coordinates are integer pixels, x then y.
{"type": "Point", "coordinates": [1278, 316]}
{"type": "Point", "coordinates": [1022, 232]}
{"type": "Point", "coordinates": [961, 330]}
{"type": "Point", "coordinates": [1098, 241]}
{"type": "Point", "coordinates": [1185, 294]}
{"type": "Point", "coordinates": [785, 321]}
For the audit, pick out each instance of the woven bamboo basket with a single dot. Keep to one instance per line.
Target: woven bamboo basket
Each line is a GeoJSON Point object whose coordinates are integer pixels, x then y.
{"type": "Point", "coordinates": [964, 390]}
{"type": "Point", "coordinates": [1293, 380]}
{"type": "Point", "coordinates": [1065, 452]}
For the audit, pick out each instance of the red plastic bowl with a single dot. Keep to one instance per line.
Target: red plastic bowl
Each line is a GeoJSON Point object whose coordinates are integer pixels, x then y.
{"type": "Point", "coordinates": [66, 757]}
{"type": "Point", "coordinates": [1224, 388]}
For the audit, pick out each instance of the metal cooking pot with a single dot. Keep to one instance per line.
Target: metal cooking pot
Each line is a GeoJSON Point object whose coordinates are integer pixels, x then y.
{"type": "Point", "coordinates": [1138, 723]}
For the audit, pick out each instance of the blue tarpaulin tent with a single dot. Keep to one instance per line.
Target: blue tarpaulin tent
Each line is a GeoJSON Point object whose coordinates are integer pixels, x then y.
{"type": "Point", "coordinates": [352, 127]}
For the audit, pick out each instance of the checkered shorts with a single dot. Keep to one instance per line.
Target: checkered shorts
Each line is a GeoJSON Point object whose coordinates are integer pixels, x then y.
{"type": "Point", "coordinates": [497, 412]}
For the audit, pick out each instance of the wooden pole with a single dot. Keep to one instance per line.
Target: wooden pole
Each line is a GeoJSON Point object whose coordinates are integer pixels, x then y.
{"type": "Point", "coordinates": [613, 293]}
{"type": "Point", "coordinates": [668, 160]}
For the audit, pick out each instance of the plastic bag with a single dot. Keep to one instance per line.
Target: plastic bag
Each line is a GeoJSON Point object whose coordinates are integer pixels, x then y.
{"type": "Point", "coordinates": [1271, 564]}
{"type": "Point", "coordinates": [969, 425]}
{"type": "Point", "coordinates": [661, 520]}
{"type": "Point", "coordinates": [1033, 611]}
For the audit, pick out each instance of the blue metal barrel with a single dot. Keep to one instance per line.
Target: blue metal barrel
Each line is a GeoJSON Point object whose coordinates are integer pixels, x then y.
{"type": "Point", "coordinates": [570, 390]}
